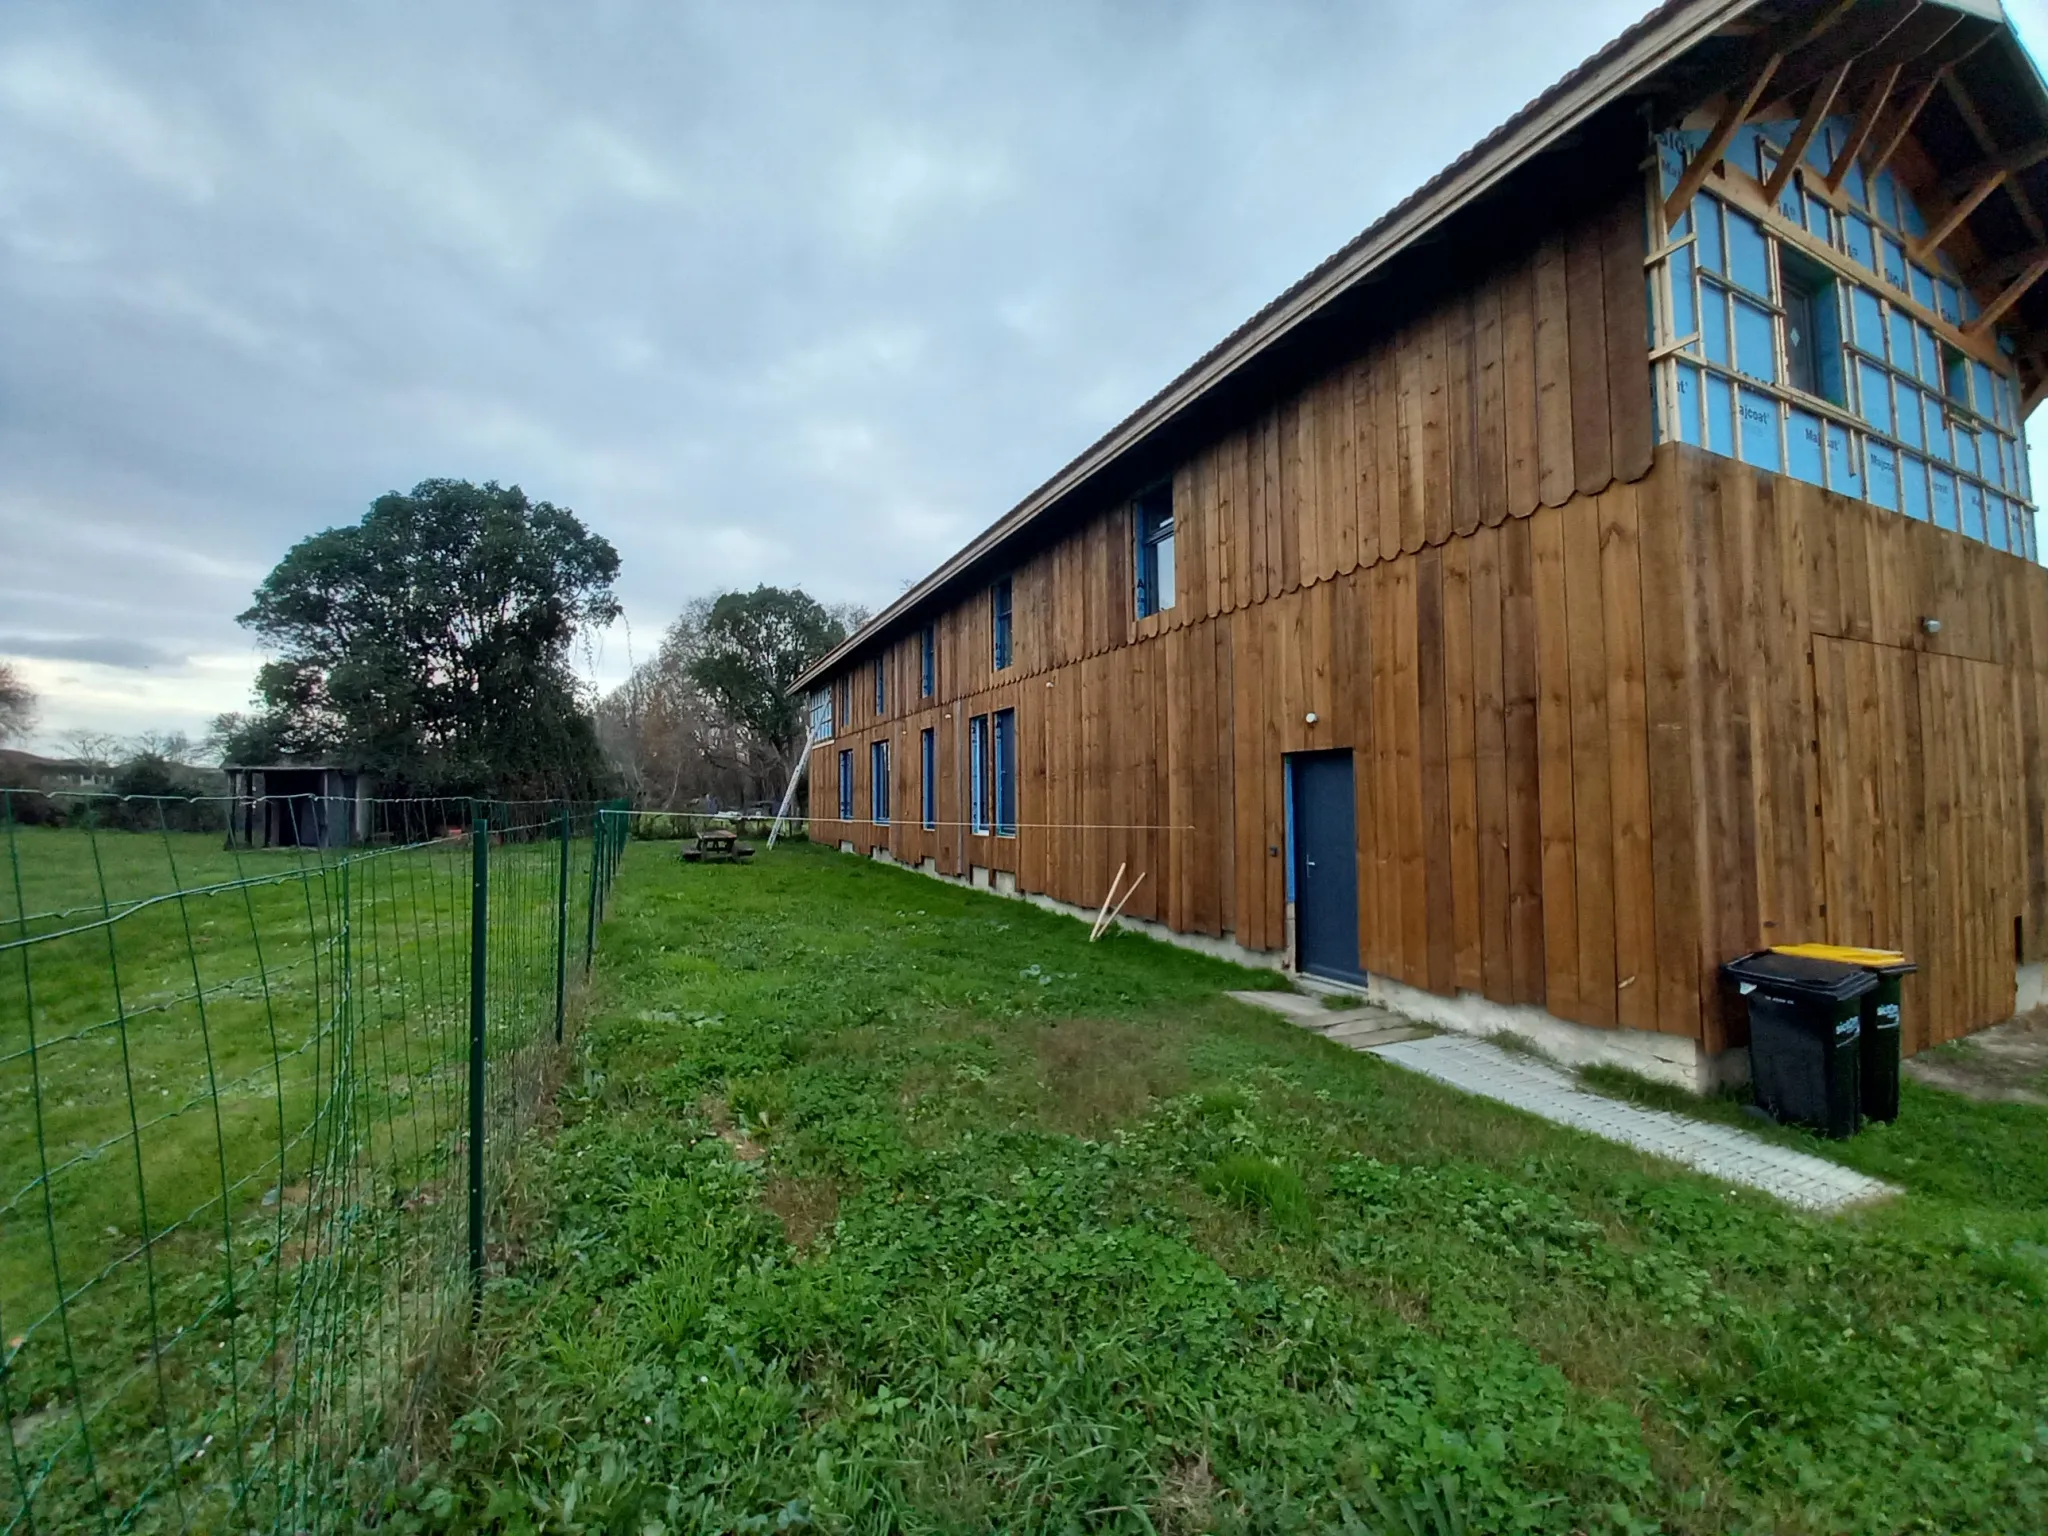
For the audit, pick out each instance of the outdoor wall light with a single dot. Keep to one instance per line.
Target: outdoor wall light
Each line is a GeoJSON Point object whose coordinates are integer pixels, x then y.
{"type": "Point", "coordinates": [1310, 717]}
{"type": "Point", "coordinates": [1931, 626]}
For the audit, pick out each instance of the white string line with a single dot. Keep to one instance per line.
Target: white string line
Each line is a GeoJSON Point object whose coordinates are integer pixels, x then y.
{"type": "Point", "coordinates": [931, 826]}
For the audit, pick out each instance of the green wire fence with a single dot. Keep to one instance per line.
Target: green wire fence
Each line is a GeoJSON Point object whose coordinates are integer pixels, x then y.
{"type": "Point", "coordinates": [257, 1107]}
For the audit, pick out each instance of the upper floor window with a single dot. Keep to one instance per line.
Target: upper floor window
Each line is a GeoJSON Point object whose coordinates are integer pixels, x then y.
{"type": "Point", "coordinates": [999, 608]}
{"type": "Point", "coordinates": [1152, 513]}
{"type": "Point", "coordinates": [821, 714]}
{"type": "Point", "coordinates": [928, 661]}
{"type": "Point", "coordinates": [881, 686]}
{"type": "Point", "coordinates": [1850, 367]}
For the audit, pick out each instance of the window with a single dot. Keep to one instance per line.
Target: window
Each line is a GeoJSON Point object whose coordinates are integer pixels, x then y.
{"type": "Point", "coordinates": [878, 782]}
{"type": "Point", "coordinates": [928, 662]}
{"type": "Point", "coordinates": [1152, 513]}
{"type": "Point", "coordinates": [928, 768]}
{"type": "Point", "coordinates": [845, 710]}
{"type": "Point", "coordinates": [1831, 365]}
{"type": "Point", "coordinates": [999, 607]}
{"type": "Point", "coordinates": [881, 687]}
{"type": "Point", "coordinates": [977, 773]}
{"type": "Point", "coordinates": [821, 714]}
{"type": "Point", "coordinates": [846, 785]}
{"type": "Point", "coordinates": [1006, 773]}
{"type": "Point", "coordinates": [1813, 329]}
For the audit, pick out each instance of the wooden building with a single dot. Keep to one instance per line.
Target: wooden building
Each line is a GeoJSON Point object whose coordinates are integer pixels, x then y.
{"type": "Point", "coordinates": [1619, 557]}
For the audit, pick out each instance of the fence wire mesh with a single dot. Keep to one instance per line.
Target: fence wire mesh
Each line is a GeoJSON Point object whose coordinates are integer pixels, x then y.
{"type": "Point", "coordinates": [243, 1200]}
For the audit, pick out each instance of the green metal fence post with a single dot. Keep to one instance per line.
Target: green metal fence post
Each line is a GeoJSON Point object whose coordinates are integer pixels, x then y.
{"type": "Point", "coordinates": [596, 859]}
{"type": "Point", "coordinates": [479, 954]}
{"type": "Point", "coordinates": [562, 930]}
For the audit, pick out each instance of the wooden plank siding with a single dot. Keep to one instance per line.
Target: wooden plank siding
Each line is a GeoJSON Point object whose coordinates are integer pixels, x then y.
{"type": "Point", "coordinates": [1618, 713]}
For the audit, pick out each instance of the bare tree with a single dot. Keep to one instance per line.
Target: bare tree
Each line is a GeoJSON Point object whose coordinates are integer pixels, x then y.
{"type": "Point", "coordinates": [17, 705]}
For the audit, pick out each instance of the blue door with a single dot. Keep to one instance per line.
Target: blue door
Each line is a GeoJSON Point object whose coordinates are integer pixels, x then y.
{"type": "Point", "coordinates": [1325, 854]}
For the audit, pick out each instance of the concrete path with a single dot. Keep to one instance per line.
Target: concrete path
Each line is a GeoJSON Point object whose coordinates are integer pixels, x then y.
{"type": "Point", "coordinates": [1508, 1077]}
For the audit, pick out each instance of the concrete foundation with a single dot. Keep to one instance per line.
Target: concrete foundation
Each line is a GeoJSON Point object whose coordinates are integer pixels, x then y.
{"type": "Point", "coordinates": [2032, 987]}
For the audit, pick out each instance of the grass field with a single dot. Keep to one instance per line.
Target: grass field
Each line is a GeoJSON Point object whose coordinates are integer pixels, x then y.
{"type": "Point", "coordinates": [879, 1205]}
{"type": "Point", "coordinates": [233, 1090]}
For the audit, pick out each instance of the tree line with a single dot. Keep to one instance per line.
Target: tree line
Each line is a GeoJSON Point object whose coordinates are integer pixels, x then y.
{"type": "Point", "coordinates": [433, 645]}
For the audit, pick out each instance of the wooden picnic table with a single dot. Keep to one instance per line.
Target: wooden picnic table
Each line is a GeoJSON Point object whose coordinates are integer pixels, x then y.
{"type": "Point", "coordinates": [717, 845]}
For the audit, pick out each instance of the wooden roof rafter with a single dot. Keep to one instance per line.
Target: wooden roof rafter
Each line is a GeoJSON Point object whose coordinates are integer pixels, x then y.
{"type": "Point", "coordinates": [2009, 295]}
{"type": "Point", "coordinates": [1866, 121]}
{"type": "Point", "coordinates": [1817, 108]}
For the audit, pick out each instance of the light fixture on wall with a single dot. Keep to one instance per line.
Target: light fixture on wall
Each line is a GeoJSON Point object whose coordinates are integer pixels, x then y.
{"type": "Point", "coordinates": [1310, 717]}
{"type": "Point", "coordinates": [1931, 626]}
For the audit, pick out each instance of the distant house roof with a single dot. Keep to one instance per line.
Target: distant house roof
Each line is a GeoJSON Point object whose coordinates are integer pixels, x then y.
{"type": "Point", "coordinates": [1678, 55]}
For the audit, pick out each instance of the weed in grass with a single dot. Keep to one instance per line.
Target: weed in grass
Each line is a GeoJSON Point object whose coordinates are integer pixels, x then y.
{"type": "Point", "coordinates": [1254, 1183]}
{"type": "Point", "coordinates": [975, 1279]}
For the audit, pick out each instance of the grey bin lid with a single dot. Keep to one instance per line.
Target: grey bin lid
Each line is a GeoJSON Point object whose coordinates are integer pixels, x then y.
{"type": "Point", "coordinates": [1827, 981]}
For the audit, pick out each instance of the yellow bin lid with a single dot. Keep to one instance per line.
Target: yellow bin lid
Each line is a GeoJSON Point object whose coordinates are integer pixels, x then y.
{"type": "Point", "coordinates": [1847, 954]}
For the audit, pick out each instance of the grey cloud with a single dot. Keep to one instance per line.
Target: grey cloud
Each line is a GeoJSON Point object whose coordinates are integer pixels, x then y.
{"type": "Point", "coordinates": [105, 650]}
{"type": "Point", "coordinates": [793, 292]}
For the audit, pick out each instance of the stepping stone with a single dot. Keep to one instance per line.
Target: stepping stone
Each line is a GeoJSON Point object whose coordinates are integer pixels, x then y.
{"type": "Point", "coordinates": [1720, 1151]}
{"type": "Point", "coordinates": [1365, 1031]}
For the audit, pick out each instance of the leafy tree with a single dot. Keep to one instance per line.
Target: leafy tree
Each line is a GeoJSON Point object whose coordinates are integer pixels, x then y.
{"type": "Point", "coordinates": [17, 705]}
{"type": "Point", "coordinates": [751, 648]}
{"type": "Point", "coordinates": [430, 643]}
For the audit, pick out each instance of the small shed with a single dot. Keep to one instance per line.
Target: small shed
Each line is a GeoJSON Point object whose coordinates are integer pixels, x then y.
{"type": "Point", "coordinates": [298, 805]}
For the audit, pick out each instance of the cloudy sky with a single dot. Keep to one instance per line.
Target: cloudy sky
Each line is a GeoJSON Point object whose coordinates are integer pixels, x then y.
{"type": "Point", "coordinates": [766, 292]}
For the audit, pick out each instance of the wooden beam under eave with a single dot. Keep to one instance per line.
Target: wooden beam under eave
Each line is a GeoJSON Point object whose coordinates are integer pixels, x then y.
{"type": "Point", "coordinates": [1988, 143]}
{"type": "Point", "coordinates": [1809, 124]}
{"type": "Point", "coordinates": [2005, 268]}
{"type": "Point", "coordinates": [1896, 131]}
{"type": "Point", "coordinates": [1953, 220]}
{"type": "Point", "coordinates": [2008, 296]}
{"type": "Point", "coordinates": [2010, 160]}
{"type": "Point", "coordinates": [1733, 116]}
{"type": "Point", "coordinates": [1866, 121]}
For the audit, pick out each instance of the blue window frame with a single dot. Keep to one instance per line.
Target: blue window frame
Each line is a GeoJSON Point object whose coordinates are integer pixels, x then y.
{"type": "Point", "coordinates": [878, 782]}
{"type": "Point", "coordinates": [846, 785]}
{"type": "Point", "coordinates": [999, 610]}
{"type": "Point", "coordinates": [821, 714]}
{"type": "Point", "coordinates": [928, 662]}
{"type": "Point", "coordinates": [1006, 773]}
{"type": "Point", "coordinates": [1152, 520]}
{"type": "Point", "coordinates": [881, 687]}
{"type": "Point", "coordinates": [928, 770]}
{"type": "Point", "coordinates": [977, 773]}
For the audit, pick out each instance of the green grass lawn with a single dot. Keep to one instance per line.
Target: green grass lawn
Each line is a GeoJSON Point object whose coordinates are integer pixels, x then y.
{"type": "Point", "coordinates": [879, 1205]}
{"type": "Point", "coordinates": [226, 1121]}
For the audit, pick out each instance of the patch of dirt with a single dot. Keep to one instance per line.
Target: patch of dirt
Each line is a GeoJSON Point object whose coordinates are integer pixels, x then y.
{"type": "Point", "coordinates": [744, 1147]}
{"type": "Point", "coordinates": [805, 1207]}
{"type": "Point", "coordinates": [1188, 1496]}
{"type": "Point", "coordinates": [1099, 1073]}
{"type": "Point", "coordinates": [2007, 1064]}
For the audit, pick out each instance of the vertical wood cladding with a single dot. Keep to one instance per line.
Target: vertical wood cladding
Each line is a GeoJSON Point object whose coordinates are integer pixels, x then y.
{"type": "Point", "coordinates": [1613, 724]}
